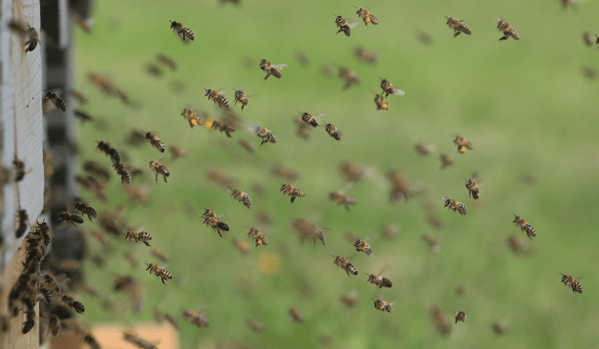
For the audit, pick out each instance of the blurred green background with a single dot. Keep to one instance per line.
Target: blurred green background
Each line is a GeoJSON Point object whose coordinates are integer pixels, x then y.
{"type": "Point", "coordinates": [525, 105]}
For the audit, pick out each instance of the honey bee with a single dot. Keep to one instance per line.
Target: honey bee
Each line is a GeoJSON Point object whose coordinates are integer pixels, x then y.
{"type": "Point", "coordinates": [160, 316]}
{"type": "Point", "coordinates": [85, 209]}
{"type": "Point", "coordinates": [86, 24]}
{"type": "Point", "coordinates": [473, 188]}
{"type": "Point", "coordinates": [271, 69]}
{"type": "Point", "coordinates": [366, 16]}
{"type": "Point", "coordinates": [432, 241]}
{"type": "Point", "coordinates": [79, 96]}
{"type": "Point", "coordinates": [255, 325]}
{"type": "Point", "coordinates": [160, 272]}
{"type": "Point", "coordinates": [33, 39]}
{"type": "Point", "coordinates": [379, 280]}
{"type": "Point", "coordinates": [349, 76]}
{"type": "Point", "coordinates": [121, 171]}
{"type": "Point", "coordinates": [220, 178]}
{"type": "Point", "coordinates": [56, 100]}
{"type": "Point", "coordinates": [296, 315]}
{"type": "Point", "coordinates": [177, 152]}
{"type": "Point", "coordinates": [242, 98]}
{"type": "Point", "coordinates": [382, 305]}
{"type": "Point", "coordinates": [154, 70]}
{"type": "Point", "coordinates": [303, 58]}
{"type": "Point", "coordinates": [139, 235]}
{"type": "Point", "coordinates": [265, 134]}
{"type": "Point", "coordinates": [462, 144]}
{"type": "Point", "coordinates": [54, 325]}
{"type": "Point", "coordinates": [507, 30]}
{"type": "Point", "coordinates": [241, 245]}
{"type": "Point", "coordinates": [257, 236]}
{"type": "Point", "coordinates": [217, 97]}
{"type": "Point", "coordinates": [184, 33]}
{"type": "Point", "coordinates": [154, 141]}
{"type": "Point", "coordinates": [460, 316]}
{"type": "Point", "coordinates": [70, 218]}
{"type": "Point", "coordinates": [292, 191]}
{"type": "Point", "coordinates": [214, 222]}
{"type": "Point", "coordinates": [351, 299]}
{"type": "Point", "coordinates": [247, 146]}
{"type": "Point", "coordinates": [460, 290]}
{"type": "Point", "coordinates": [242, 197]}
{"type": "Point", "coordinates": [440, 320]}
{"type": "Point", "coordinates": [169, 62]}
{"type": "Point", "coordinates": [424, 37]}
{"type": "Point", "coordinates": [351, 171]}
{"type": "Point", "coordinates": [73, 304]}
{"type": "Point", "coordinates": [138, 341]}
{"type": "Point", "coordinates": [455, 205]}
{"type": "Point", "coordinates": [23, 221]}
{"type": "Point", "coordinates": [344, 26]}
{"type": "Point", "coordinates": [422, 149]}
{"type": "Point", "coordinates": [195, 318]}
{"type": "Point", "coordinates": [572, 283]}
{"type": "Point", "coordinates": [588, 39]}
{"type": "Point", "coordinates": [159, 168]}
{"type": "Point", "coordinates": [446, 161]}
{"type": "Point", "coordinates": [333, 131]}
{"type": "Point", "coordinates": [103, 82]}
{"type": "Point", "coordinates": [83, 116]}
{"type": "Point", "coordinates": [192, 117]}
{"type": "Point", "coordinates": [381, 102]}
{"type": "Point", "coordinates": [516, 244]}
{"type": "Point", "coordinates": [342, 199]}
{"type": "Point", "coordinates": [388, 88]}
{"type": "Point", "coordinates": [30, 322]}
{"type": "Point", "coordinates": [223, 127]}
{"type": "Point", "coordinates": [303, 130]}
{"type": "Point", "coordinates": [362, 246]}
{"type": "Point", "coordinates": [311, 120]}
{"type": "Point", "coordinates": [524, 226]}
{"type": "Point", "coordinates": [458, 26]}
{"type": "Point", "coordinates": [344, 264]}
{"type": "Point", "coordinates": [285, 172]}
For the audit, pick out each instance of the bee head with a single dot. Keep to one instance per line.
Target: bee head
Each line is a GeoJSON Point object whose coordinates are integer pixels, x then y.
{"type": "Point", "coordinates": [208, 91]}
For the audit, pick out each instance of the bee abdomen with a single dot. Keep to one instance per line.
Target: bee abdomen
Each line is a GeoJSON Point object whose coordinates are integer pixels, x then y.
{"type": "Point", "coordinates": [60, 104]}
{"type": "Point", "coordinates": [276, 73]}
{"type": "Point", "coordinates": [352, 269]}
{"type": "Point", "coordinates": [223, 226]}
{"type": "Point", "coordinates": [189, 34]}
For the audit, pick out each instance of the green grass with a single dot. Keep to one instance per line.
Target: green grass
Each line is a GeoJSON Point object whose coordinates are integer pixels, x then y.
{"type": "Point", "coordinates": [524, 105]}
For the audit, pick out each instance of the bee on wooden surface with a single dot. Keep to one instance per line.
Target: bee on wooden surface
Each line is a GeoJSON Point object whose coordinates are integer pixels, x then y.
{"type": "Point", "coordinates": [257, 236]}
{"type": "Point", "coordinates": [379, 280]}
{"type": "Point", "coordinates": [255, 325]}
{"type": "Point", "coordinates": [344, 264]}
{"type": "Point", "coordinates": [432, 242]}
{"type": "Point", "coordinates": [588, 38]}
{"type": "Point", "coordinates": [344, 26]}
{"type": "Point", "coordinates": [139, 235]}
{"type": "Point", "coordinates": [121, 171]}
{"type": "Point", "coordinates": [296, 315]}
{"type": "Point", "coordinates": [33, 39]}
{"type": "Point", "coordinates": [73, 304]}
{"type": "Point", "coordinates": [507, 30]}
{"type": "Point", "coordinates": [424, 37]}
{"type": "Point", "coordinates": [460, 316]}
{"type": "Point", "coordinates": [30, 322]}
{"type": "Point", "coordinates": [366, 16]}
{"type": "Point", "coordinates": [184, 33]}
{"type": "Point", "coordinates": [572, 283]}
{"type": "Point", "coordinates": [242, 98]}
{"type": "Point", "coordinates": [159, 168]}
{"type": "Point", "coordinates": [169, 62]}
{"type": "Point", "coordinates": [311, 120]}
{"type": "Point", "coordinates": [241, 245]}
{"type": "Point", "coordinates": [214, 222]}
{"type": "Point", "coordinates": [292, 191]}
{"type": "Point", "coordinates": [524, 226]}
{"type": "Point", "coordinates": [138, 341]}
{"type": "Point", "coordinates": [56, 100]}
{"type": "Point", "coordinates": [462, 144]}
{"type": "Point", "coordinates": [382, 305]}
{"type": "Point", "coordinates": [195, 318]}
{"type": "Point", "coordinates": [70, 218]}
{"type": "Point", "coordinates": [160, 272]}
{"type": "Point", "coordinates": [23, 218]}
{"type": "Point", "coordinates": [350, 299]}
{"type": "Point", "coordinates": [349, 76]}
{"type": "Point", "coordinates": [423, 150]}
{"type": "Point", "coordinates": [79, 96]}
{"type": "Point", "coordinates": [271, 69]}
{"type": "Point", "coordinates": [458, 26]}
{"type": "Point", "coordinates": [154, 141]}
{"type": "Point", "coordinates": [242, 197]}
{"type": "Point", "coordinates": [86, 210]}
{"type": "Point", "coordinates": [440, 320]}
{"type": "Point", "coordinates": [473, 188]}
{"type": "Point", "coordinates": [381, 102]}
{"type": "Point", "coordinates": [446, 161]}
{"type": "Point", "coordinates": [333, 131]}
{"type": "Point", "coordinates": [388, 88]}
{"type": "Point", "coordinates": [455, 205]}
{"type": "Point", "coordinates": [265, 134]}
{"type": "Point", "coordinates": [54, 284]}
{"type": "Point", "coordinates": [220, 178]}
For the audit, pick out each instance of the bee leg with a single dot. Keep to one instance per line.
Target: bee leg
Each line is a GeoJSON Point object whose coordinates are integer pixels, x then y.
{"type": "Point", "coordinates": [165, 180]}
{"type": "Point", "coordinates": [347, 207]}
{"type": "Point", "coordinates": [147, 243]}
{"type": "Point", "coordinates": [156, 177]}
{"type": "Point", "coordinates": [74, 225]}
{"type": "Point", "coordinates": [267, 75]}
{"type": "Point", "coordinates": [292, 199]}
{"type": "Point", "coordinates": [163, 281]}
{"type": "Point", "coordinates": [456, 34]}
{"type": "Point", "coordinates": [219, 234]}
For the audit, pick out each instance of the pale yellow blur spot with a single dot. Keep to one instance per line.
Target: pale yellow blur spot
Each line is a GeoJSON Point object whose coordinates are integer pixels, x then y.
{"type": "Point", "coordinates": [269, 263]}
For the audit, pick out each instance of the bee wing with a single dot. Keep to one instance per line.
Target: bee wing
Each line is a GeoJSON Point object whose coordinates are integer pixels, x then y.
{"type": "Point", "coordinates": [348, 187]}
{"type": "Point", "coordinates": [319, 117]}
{"type": "Point", "coordinates": [353, 25]}
{"type": "Point", "coordinates": [253, 128]}
{"type": "Point", "coordinates": [399, 92]}
{"type": "Point", "coordinates": [222, 92]}
{"type": "Point", "coordinates": [280, 66]}
{"type": "Point", "coordinates": [383, 269]}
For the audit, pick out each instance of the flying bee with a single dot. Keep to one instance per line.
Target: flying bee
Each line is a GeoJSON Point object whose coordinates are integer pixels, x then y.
{"type": "Point", "coordinates": [366, 16]}
{"type": "Point", "coordinates": [440, 320]}
{"type": "Point", "coordinates": [241, 245]}
{"type": "Point", "coordinates": [83, 116]}
{"type": "Point", "coordinates": [388, 88]}
{"type": "Point", "coordinates": [569, 3]}
{"type": "Point", "coordinates": [365, 55]}
{"type": "Point", "coordinates": [432, 241]}
{"type": "Point", "coordinates": [572, 283]}
{"type": "Point", "coordinates": [462, 144]}
{"type": "Point", "coordinates": [423, 150]}
{"type": "Point", "coordinates": [460, 316]}
{"type": "Point", "coordinates": [23, 220]}
{"type": "Point", "coordinates": [73, 304]}
{"type": "Point", "coordinates": [455, 205]}
{"type": "Point", "coordinates": [242, 98]}
{"type": "Point", "coordinates": [192, 117]}
{"type": "Point", "coordinates": [257, 236]}
{"type": "Point", "coordinates": [473, 188]}
{"type": "Point", "coordinates": [379, 280]}
{"type": "Point", "coordinates": [524, 226]}
{"type": "Point", "coordinates": [217, 97]}
{"type": "Point", "coordinates": [500, 327]}
{"type": "Point", "coordinates": [349, 76]}
{"type": "Point", "coordinates": [255, 325]}
{"type": "Point", "coordinates": [177, 152]}
{"type": "Point", "coordinates": [159, 168]}
{"type": "Point", "coordinates": [184, 33]}
{"type": "Point", "coordinates": [124, 173]}
{"type": "Point", "coordinates": [169, 62]}
{"type": "Point", "coordinates": [84, 209]}
{"type": "Point", "coordinates": [344, 264]}
{"type": "Point", "coordinates": [588, 39]}
{"type": "Point", "coordinates": [56, 100]}
{"type": "Point", "coordinates": [342, 199]}
{"type": "Point", "coordinates": [247, 146]}
{"type": "Point", "coordinates": [292, 191]}
{"type": "Point", "coordinates": [154, 141]}
{"type": "Point", "coordinates": [271, 69]}
{"type": "Point", "coordinates": [285, 172]}
{"type": "Point", "coordinates": [214, 222]}
{"type": "Point", "coordinates": [344, 26]}
{"type": "Point", "coordinates": [303, 130]}
{"type": "Point", "coordinates": [195, 318]}
{"type": "Point", "coordinates": [362, 246]}
{"type": "Point", "coordinates": [350, 299]}
{"type": "Point", "coordinates": [33, 38]}
{"type": "Point", "coordinates": [79, 96]}
{"type": "Point", "coordinates": [381, 102]}
{"type": "Point", "coordinates": [70, 218]}
{"type": "Point", "coordinates": [160, 272]}
{"type": "Point", "coordinates": [223, 127]}
{"type": "Point", "coordinates": [54, 325]}
{"type": "Point", "coordinates": [382, 305]}
{"type": "Point", "coordinates": [333, 131]}
{"type": "Point", "coordinates": [445, 161]}
{"type": "Point", "coordinates": [138, 341]}
{"type": "Point", "coordinates": [265, 134]}
{"type": "Point", "coordinates": [311, 120]}
{"type": "Point", "coordinates": [507, 30]}
{"type": "Point", "coordinates": [296, 315]}
{"type": "Point", "coordinates": [139, 235]}
{"type": "Point", "coordinates": [242, 197]}
{"type": "Point", "coordinates": [458, 26]}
